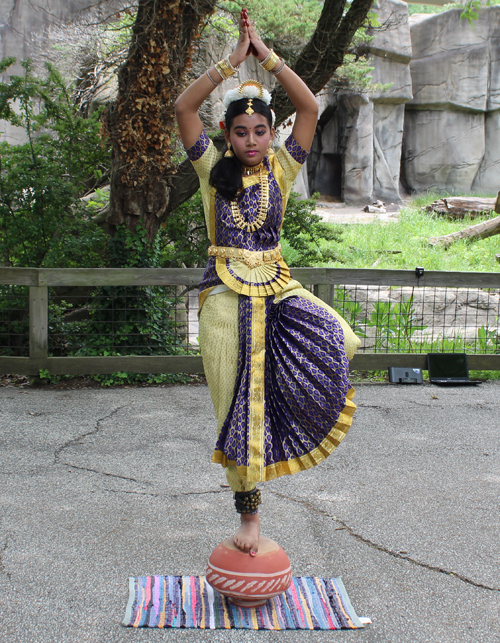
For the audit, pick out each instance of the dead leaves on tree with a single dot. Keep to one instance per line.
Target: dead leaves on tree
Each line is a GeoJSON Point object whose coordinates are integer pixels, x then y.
{"type": "Point", "coordinates": [141, 124]}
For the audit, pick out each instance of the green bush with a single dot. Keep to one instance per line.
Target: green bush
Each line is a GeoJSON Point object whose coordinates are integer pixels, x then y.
{"type": "Point", "coordinates": [42, 221]}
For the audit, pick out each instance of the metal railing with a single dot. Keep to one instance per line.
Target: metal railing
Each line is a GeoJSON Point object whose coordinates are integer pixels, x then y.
{"type": "Point", "coordinates": [101, 321]}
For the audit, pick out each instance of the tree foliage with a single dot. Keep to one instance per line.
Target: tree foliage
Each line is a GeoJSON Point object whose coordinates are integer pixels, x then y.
{"type": "Point", "coordinates": [42, 180]}
{"type": "Point", "coordinates": [289, 24]}
{"type": "Point", "coordinates": [42, 223]}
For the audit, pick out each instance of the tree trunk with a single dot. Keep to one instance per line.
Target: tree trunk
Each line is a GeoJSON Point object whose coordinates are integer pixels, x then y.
{"type": "Point", "coordinates": [141, 122]}
{"type": "Point", "coordinates": [317, 63]}
{"type": "Point", "coordinates": [479, 231]}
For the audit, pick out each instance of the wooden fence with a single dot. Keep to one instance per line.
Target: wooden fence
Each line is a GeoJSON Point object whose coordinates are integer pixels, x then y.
{"type": "Point", "coordinates": [323, 279]}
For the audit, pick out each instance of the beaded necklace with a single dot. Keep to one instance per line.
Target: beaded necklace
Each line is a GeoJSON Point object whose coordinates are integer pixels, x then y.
{"type": "Point", "coordinates": [263, 203]}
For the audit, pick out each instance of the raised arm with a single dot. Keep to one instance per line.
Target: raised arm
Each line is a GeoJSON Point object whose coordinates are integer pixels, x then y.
{"type": "Point", "coordinates": [192, 98]}
{"type": "Point", "coordinates": [299, 93]}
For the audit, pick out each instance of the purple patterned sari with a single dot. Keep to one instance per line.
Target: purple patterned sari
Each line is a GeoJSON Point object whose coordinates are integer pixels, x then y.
{"type": "Point", "coordinates": [292, 397]}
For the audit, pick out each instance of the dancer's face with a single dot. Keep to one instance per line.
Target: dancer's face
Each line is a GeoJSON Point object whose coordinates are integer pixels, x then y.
{"type": "Point", "coordinates": [250, 137]}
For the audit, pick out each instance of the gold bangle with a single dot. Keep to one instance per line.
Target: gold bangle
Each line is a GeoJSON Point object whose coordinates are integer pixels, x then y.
{"type": "Point", "coordinates": [225, 69]}
{"type": "Point", "coordinates": [278, 71]}
{"type": "Point", "coordinates": [263, 62]}
{"type": "Point", "coordinates": [235, 69]}
{"type": "Point", "coordinates": [218, 66]}
{"type": "Point", "coordinates": [270, 62]}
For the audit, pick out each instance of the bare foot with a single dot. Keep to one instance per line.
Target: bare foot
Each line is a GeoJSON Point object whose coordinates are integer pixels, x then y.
{"type": "Point", "coordinates": [246, 537]}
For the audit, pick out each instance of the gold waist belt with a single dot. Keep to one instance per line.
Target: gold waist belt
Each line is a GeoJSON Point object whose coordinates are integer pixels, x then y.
{"type": "Point", "coordinates": [252, 258]}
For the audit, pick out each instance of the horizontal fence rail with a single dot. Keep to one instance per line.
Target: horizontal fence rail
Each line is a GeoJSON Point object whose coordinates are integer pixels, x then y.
{"type": "Point", "coordinates": [49, 317]}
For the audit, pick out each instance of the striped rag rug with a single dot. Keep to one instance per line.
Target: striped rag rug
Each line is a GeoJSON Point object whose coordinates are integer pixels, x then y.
{"type": "Point", "coordinates": [189, 602]}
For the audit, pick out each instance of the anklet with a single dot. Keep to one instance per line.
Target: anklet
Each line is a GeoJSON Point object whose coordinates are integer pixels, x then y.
{"type": "Point", "coordinates": [247, 502]}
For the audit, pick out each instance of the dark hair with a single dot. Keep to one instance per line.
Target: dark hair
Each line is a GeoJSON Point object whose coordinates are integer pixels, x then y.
{"type": "Point", "coordinates": [226, 175]}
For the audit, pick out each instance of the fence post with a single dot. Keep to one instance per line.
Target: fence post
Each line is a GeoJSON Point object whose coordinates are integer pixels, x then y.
{"type": "Point", "coordinates": [39, 321]}
{"type": "Point", "coordinates": [324, 292]}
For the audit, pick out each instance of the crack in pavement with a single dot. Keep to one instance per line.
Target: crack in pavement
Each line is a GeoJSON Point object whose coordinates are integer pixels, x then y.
{"type": "Point", "coordinates": [385, 550]}
{"type": "Point", "coordinates": [95, 431]}
{"type": "Point", "coordinates": [104, 473]}
{"type": "Point", "coordinates": [3, 569]}
{"type": "Point", "coordinates": [165, 495]}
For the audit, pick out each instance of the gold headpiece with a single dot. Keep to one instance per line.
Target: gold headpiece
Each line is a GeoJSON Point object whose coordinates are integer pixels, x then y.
{"type": "Point", "coordinates": [252, 86]}
{"type": "Point", "coordinates": [250, 89]}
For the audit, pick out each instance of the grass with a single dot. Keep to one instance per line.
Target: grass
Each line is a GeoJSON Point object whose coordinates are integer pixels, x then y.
{"type": "Point", "coordinates": [363, 244]}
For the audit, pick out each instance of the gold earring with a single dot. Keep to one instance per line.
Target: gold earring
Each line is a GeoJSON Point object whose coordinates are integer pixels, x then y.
{"type": "Point", "coordinates": [229, 154]}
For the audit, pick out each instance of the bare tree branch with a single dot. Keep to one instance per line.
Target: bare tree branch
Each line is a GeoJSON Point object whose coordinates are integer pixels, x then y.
{"type": "Point", "coordinates": [324, 53]}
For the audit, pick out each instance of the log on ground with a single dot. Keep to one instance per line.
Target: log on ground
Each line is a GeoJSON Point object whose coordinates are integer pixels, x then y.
{"type": "Point", "coordinates": [460, 207]}
{"type": "Point", "coordinates": [478, 231]}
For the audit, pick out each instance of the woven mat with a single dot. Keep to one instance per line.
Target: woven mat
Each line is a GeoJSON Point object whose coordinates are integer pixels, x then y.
{"type": "Point", "coordinates": [189, 602]}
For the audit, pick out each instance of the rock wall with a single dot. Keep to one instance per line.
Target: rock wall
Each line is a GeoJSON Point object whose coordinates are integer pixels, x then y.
{"type": "Point", "coordinates": [452, 124]}
{"type": "Point", "coordinates": [356, 154]}
{"type": "Point", "coordinates": [19, 19]}
{"type": "Point", "coordinates": [439, 122]}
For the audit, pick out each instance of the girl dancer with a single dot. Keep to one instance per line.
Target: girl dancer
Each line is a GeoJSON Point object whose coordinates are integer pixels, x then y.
{"type": "Point", "coordinates": [275, 356]}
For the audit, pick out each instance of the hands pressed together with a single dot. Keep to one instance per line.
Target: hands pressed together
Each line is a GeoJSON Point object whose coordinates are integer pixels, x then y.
{"type": "Point", "coordinates": [249, 42]}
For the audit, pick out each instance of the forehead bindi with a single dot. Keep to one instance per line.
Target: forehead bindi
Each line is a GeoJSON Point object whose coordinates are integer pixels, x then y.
{"type": "Point", "coordinates": [244, 122]}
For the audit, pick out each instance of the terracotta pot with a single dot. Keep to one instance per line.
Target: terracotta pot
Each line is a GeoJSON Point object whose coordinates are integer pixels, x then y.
{"type": "Point", "coordinates": [249, 581]}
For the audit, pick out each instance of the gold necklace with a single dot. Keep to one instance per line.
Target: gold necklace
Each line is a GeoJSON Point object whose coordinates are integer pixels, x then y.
{"type": "Point", "coordinates": [263, 206]}
{"type": "Point", "coordinates": [252, 169]}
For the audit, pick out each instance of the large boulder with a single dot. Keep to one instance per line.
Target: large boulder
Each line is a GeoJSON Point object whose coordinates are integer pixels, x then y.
{"type": "Point", "coordinates": [451, 131]}
{"type": "Point", "coordinates": [356, 123]}
{"type": "Point", "coordinates": [341, 160]}
{"type": "Point", "coordinates": [357, 150]}
{"type": "Point", "coordinates": [443, 150]}
{"type": "Point", "coordinates": [388, 123]}
{"type": "Point", "coordinates": [390, 55]}
{"type": "Point", "coordinates": [488, 176]}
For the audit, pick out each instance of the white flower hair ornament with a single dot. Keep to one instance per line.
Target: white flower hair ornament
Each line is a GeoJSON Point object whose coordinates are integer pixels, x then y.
{"type": "Point", "coordinates": [250, 89]}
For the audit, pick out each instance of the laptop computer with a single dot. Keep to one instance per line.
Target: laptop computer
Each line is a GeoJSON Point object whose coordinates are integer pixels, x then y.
{"type": "Point", "coordinates": [449, 368]}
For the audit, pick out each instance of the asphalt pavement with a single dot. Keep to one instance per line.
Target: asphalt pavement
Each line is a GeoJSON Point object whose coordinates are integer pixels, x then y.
{"type": "Point", "coordinates": [98, 485]}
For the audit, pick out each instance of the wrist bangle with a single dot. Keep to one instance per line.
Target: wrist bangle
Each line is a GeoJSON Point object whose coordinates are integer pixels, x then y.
{"type": "Point", "coordinates": [263, 62]}
{"type": "Point", "coordinates": [208, 74]}
{"type": "Point", "coordinates": [225, 69]}
{"type": "Point", "coordinates": [270, 62]}
{"type": "Point", "coordinates": [278, 71]}
{"type": "Point", "coordinates": [234, 69]}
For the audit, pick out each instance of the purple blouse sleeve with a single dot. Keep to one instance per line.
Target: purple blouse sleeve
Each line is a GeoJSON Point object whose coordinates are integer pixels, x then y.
{"type": "Point", "coordinates": [196, 151]}
{"type": "Point", "coordinates": [295, 151]}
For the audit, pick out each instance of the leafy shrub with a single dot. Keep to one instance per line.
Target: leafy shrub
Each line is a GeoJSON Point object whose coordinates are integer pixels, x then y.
{"type": "Point", "coordinates": [42, 222]}
{"type": "Point", "coordinates": [303, 232]}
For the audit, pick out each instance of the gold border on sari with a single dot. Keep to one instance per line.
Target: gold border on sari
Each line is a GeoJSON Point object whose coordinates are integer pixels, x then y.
{"type": "Point", "coordinates": [257, 392]}
{"type": "Point", "coordinates": [306, 461]}
{"type": "Point", "coordinates": [211, 231]}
